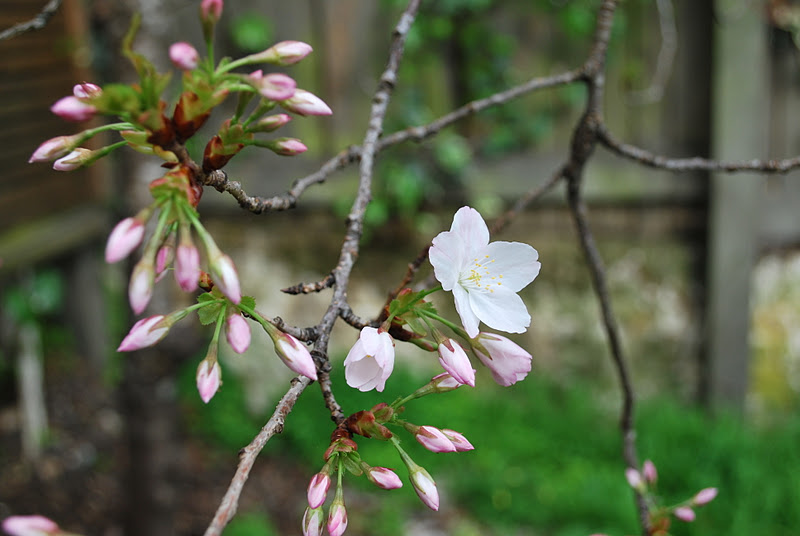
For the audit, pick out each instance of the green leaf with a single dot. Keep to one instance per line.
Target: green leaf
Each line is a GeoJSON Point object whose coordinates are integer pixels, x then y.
{"type": "Point", "coordinates": [210, 313]}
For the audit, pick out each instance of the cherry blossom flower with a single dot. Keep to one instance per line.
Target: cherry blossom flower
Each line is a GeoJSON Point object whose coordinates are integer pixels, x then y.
{"type": "Point", "coordinates": [484, 277]}
{"type": "Point", "coordinates": [370, 361]}
{"type": "Point", "coordinates": [508, 362]}
{"type": "Point", "coordinates": [455, 361]}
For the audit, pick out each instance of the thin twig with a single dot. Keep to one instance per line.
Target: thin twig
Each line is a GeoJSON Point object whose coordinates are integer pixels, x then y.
{"type": "Point", "coordinates": [36, 23]}
{"type": "Point", "coordinates": [248, 455]}
{"type": "Point", "coordinates": [308, 288]}
{"type": "Point", "coordinates": [649, 159]}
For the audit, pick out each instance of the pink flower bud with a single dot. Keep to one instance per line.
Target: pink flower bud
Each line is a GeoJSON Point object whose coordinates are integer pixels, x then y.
{"type": "Point", "coordinates": [184, 56]}
{"type": "Point", "coordinates": [684, 513]}
{"type": "Point", "coordinates": [271, 123]}
{"type": "Point", "coordinates": [433, 439]}
{"type": "Point", "coordinates": [140, 288]}
{"type": "Point", "coordinates": [126, 236]}
{"type": "Point", "coordinates": [73, 109]}
{"type": "Point", "coordinates": [306, 103]}
{"type": "Point", "coordinates": [507, 361]}
{"type": "Point", "coordinates": [238, 333]}
{"type": "Point", "coordinates": [455, 361]}
{"type": "Point", "coordinates": [87, 90]}
{"type": "Point", "coordinates": [384, 478]}
{"type": "Point", "coordinates": [288, 52]}
{"type": "Point", "coordinates": [704, 496]}
{"type": "Point", "coordinates": [225, 277]}
{"type": "Point", "coordinates": [337, 519]}
{"type": "Point", "coordinates": [30, 526]}
{"type": "Point", "coordinates": [459, 441]}
{"type": "Point", "coordinates": [318, 490]}
{"type": "Point", "coordinates": [313, 521]}
{"type": "Point", "coordinates": [187, 267]}
{"type": "Point", "coordinates": [208, 379]}
{"type": "Point", "coordinates": [288, 146]}
{"type": "Point", "coordinates": [444, 382]}
{"type": "Point", "coordinates": [74, 160]}
{"type": "Point", "coordinates": [634, 479]}
{"type": "Point", "coordinates": [146, 332]}
{"type": "Point", "coordinates": [274, 86]}
{"type": "Point", "coordinates": [425, 486]}
{"type": "Point", "coordinates": [211, 9]}
{"type": "Point", "coordinates": [649, 472]}
{"type": "Point", "coordinates": [54, 148]}
{"type": "Point", "coordinates": [163, 258]}
{"type": "Point", "coordinates": [294, 354]}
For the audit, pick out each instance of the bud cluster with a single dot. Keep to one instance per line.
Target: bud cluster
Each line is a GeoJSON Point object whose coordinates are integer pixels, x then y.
{"type": "Point", "coordinates": [644, 482]}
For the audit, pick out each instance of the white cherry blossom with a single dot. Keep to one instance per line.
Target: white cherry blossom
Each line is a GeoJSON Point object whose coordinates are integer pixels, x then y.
{"type": "Point", "coordinates": [484, 277]}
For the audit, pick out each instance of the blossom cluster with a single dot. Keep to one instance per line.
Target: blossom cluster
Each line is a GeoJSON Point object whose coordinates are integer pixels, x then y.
{"type": "Point", "coordinates": [484, 278]}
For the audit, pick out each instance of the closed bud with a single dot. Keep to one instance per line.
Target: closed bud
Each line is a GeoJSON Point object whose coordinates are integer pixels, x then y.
{"type": "Point", "coordinates": [274, 86]}
{"type": "Point", "coordinates": [146, 332]}
{"type": "Point", "coordinates": [684, 513]}
{"type": "Point", "coordinates": [184, 56]}
{"type": "Point", "coordinates": [30, 526]}
{"type": "Point", "coordinates": [318, 490]}
{"type": "Point", "coordinates": [384, 478]}
{"type": "Point", "coordinates": [649, 472]}
{"type": "Point", "coordinates": [287, 146]}
{"type": "Point", "coordinates": [337, 517]}
{"type": "Point", "coordinates": [458, 440]}
{"type": "Point", "coordinates": [87, 90]}
{"type": "Point", "coordinates": [704, 496]}
{"type": "Point", "coordinates": [74, 160]}
{"type": "Point", "coordinates": [635, 479]}
{"type": "Point", "coordinates": [237, 331]}
{"type": "Point", "coordinates": [208, 379]}
{"type": "Point", "coordinates": [425, 487]}
{"type": "Point", "coordinates": [270, 123]}
{"type": "Point", "coordinates": [225, 277]}
{"type": "Point", "coordinates": [313, 522]}
{"type": "Point", "coordinates": [140, 288]}
{"type": "Point", "coordinates": [283, 53]}
{"type": "Point", "coordinates": [433, 439]}
{"type": "Point", "coordinates": [306, 103]}
{"type": "Point", "coordinates": [187, 267]}
{"type": "Point", "coordinates": [454, 360]}
{"type": "Point", "coordinates": [293, 353]}
{"type": "Point", "coordinates": [126, 236]}
{"type": "Point", "coordinates": [73, 109]}
{"type": "Point", "coordinates": [211, 9]}
{"type": "Point", "coordinates": [55, 148]}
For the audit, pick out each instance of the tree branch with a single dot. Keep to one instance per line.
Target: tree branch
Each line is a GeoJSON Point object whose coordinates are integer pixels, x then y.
{"type": "Point", "coordinates": [36, 23]}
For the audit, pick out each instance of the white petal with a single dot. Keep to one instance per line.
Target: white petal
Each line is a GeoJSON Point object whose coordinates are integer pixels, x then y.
{"type": "Point", "coordinates": [446, 256]}
{"type": "Point", "coordinates": [464, 308]}
{"type": "Point", "coordinates": [516, 262]}
{"type": "Point", "coordinates": [502, 310]}
{"type": "Point", "coordinates": [471, 229]}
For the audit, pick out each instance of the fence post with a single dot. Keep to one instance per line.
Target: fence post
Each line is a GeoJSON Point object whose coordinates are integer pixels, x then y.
{"type": "Point", "coordinates": [740, 109]}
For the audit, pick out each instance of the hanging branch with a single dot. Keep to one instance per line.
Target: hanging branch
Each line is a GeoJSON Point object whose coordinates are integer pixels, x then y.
{"type": "Point", "coordinates": [36, 23]}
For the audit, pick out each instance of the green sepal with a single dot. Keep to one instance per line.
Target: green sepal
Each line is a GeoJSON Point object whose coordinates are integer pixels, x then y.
{"type": "Point", "coordinates": [352, 462]}
{"type": "Point", "coordinates": [210, 313]}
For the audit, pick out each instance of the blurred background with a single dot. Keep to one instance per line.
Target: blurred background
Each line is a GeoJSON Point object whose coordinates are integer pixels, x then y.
{"type": "Point", "coordinates": [703, 268]}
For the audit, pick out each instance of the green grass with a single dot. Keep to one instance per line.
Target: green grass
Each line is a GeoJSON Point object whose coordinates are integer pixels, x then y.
{"type": "Point", "coordinates": [547, 459]}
